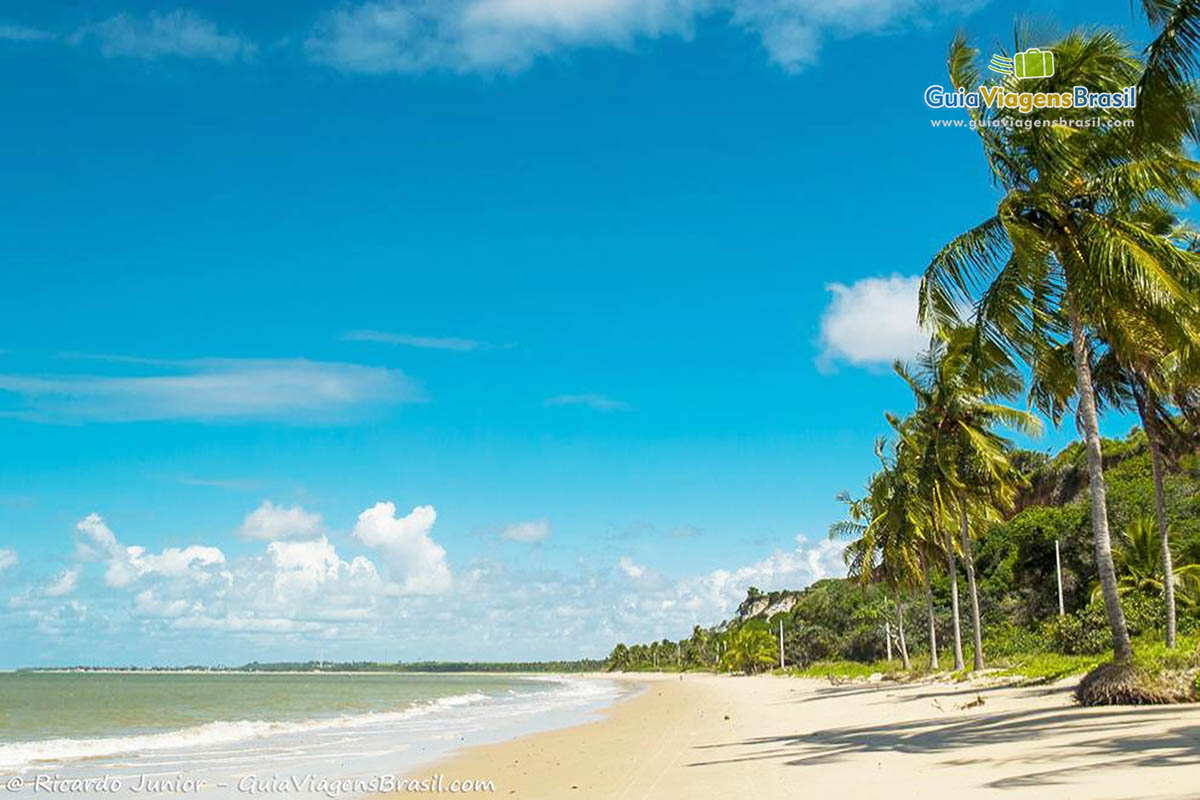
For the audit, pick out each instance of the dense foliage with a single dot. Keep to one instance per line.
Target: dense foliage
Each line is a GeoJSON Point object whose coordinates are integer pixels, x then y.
{"type": "Point", "coordinates": [840, 620]}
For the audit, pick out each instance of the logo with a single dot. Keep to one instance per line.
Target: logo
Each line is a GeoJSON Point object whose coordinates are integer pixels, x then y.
{"type": "Point", "coordinates": [1031, 63]}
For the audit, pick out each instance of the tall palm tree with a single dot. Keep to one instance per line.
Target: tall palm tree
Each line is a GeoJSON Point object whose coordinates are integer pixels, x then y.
{"type": "Point", "coordinates": [928, 493]}
{"type": "Point", "coordinates": [1147, 363]}
{"type": "Point", "coordinates": [1070, 240]}
{"type": "Point", "coordinates": [887, 538]}
{"type": "Point", "coordinates": [963, 459]}
{"type": "Point", "coordinates": [1142, 371]}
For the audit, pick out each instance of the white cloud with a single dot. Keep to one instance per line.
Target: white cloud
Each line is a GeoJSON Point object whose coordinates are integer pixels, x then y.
{"type": "Point", "coordinates": [149, 604]}
{"type": "Point", "coordinates": [596, 402]}
{"type": "Point", "coordinates": [631, 568]}
{"type": "Point", "coordinates": [872, 321]}
{"type": "Point", "coordinates": [417, 561]}
{"type": "Point", "coordinates": [304, 567]}
{"type": "Point", "coordinates": [382, 36]}
{"type": "Point", "coordinates": [272, 523]}
{"type": "Point", "coordinates": [22, 33]}
{"type": "Point", "coordinates": [63, 584]}
{"type": "Point", "coordinates": [8, 558]}
{"type": "Point", "coordinates": [451, 343]}
{"type": "Point", "coordinates": [95, 542]}
{"type": "Point", "coordinates": [292, 586]}
{"type": "Point", "coordinates": [181, 32]}
{"type": "Point", "coordinates": [291, 595]}
{"type": "Point", "coordinates": [722, 590]}
{"type": "Point", "coordinates": [214, 390]}
{"type": "Point", "coordinates": [482, 35]}
{"type": "Point", "coordinates": [529, 532]}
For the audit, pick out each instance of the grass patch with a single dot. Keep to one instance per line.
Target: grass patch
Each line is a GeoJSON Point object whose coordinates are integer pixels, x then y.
{"type": "Point", "coordinates": [849, 670]}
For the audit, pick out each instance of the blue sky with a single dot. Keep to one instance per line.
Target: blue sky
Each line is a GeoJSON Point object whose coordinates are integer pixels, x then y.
{"type": "Point", "coordinates": [599, 295]}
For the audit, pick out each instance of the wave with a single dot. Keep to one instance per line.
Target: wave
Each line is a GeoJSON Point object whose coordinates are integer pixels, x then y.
{"type": "Point", "coordinates": [21, 755]}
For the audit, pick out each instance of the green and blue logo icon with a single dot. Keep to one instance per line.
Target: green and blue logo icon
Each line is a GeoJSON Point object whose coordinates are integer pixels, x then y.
{"type": "Point", "coordinates": [1031, 63]}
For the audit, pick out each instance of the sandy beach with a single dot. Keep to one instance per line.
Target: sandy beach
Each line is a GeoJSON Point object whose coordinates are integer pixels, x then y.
{"type": "Point", "coordinates": [768, 737]}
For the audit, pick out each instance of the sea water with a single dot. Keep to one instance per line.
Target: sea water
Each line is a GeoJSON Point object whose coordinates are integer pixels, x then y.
{"type": "Point", "coordinates": [218, 735]}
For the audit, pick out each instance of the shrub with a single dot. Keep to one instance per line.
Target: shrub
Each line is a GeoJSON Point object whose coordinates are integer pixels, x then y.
{"type": "Point", "coordinates": [1006, 639]}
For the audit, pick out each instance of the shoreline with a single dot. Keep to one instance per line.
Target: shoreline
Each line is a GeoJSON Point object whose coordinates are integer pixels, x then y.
{"type": "Point", "coordinates": [770, 736]}
{"type": "Point", "coordinates": [219, 755]}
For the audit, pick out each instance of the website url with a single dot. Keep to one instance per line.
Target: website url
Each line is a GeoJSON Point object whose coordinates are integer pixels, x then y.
{"type": "Point", "coordinates": [179, 784]}
{"type": "Point", "coordinates": [1027, 124]}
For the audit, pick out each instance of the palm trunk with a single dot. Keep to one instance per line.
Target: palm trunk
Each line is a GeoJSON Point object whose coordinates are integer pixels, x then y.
{"type": "Point", "coordinates": [958, 653]}
{"type": "Point", "coordinates": [969, 564]}
{"type": "Point", "coordinates": [933, 653]}
{"type": "Point", "coordinates": [1154, 438]}
{"type": "Point", "coordinates": [1101, 542]}
{"type": "Point", "coordinates": [900, 625]}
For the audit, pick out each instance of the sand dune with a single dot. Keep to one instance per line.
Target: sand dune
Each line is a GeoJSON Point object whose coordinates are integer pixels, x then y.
{"type": "Point", "coordinates": [766, 737]}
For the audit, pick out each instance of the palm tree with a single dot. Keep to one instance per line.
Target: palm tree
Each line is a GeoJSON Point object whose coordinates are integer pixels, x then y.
{"type": "Point", "coordinates": [887, 538]}
{"type": "Point", "coordinates": [1070, 240]}
{"type": "Point", "coordinates": [750, 650]}
{"type": "Point", "coordinates": [1147, 364]}
{"type": "Point", "coordinates": [963, 460]}
{"type": "Point", "coordinates": [1138, 558]}
{"type": "Point", "coordinates": [1172, 63]}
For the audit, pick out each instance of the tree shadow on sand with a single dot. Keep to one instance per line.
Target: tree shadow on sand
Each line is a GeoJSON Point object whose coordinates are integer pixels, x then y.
{"type": "Point", "coordinates": [1085, 740]}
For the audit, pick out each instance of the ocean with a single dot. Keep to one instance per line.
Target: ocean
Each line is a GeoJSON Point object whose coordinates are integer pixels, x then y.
{"type": "Point", "coordinates": [299, 734]}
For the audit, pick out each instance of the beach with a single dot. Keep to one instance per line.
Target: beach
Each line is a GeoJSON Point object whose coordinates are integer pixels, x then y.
{"type": "Point", "coordinates": [233, 734]}
{"type": "Point", "coordinates": [768, 737]}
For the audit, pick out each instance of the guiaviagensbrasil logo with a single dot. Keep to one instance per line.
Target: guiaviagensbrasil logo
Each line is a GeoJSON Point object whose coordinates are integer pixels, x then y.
{"type": "Point", "coordinates": [1031, 63]}
{"type": "Point", "coordinates": [1027, 64]}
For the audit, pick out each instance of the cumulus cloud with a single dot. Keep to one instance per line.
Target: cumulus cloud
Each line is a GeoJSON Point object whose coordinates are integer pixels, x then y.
{"type": "Point", "coordinates": [182, 33]}
{"type": "Point", "coordinates": [213, 390]}
{"type": "Point", "coordinates": [529, 532]}
{"type": "Point", "coordinates": [272, 523]}
{"type": "Point", "coordinates": [289, 587]}
{"type": "Point", "coordinates": [63, 584]}
{"type": "Point", "coordinates": [451, 343]}
{"type": "Point", "coordinates": [289, 594]}
{"type": "Point", "coordinates": [8, 558]}
{"type": "Point", "coordinates": [722, 590]}
{"type": "Point", "coordinates": [596, 402]}
{"type": "Point", "coordinates": [387, 36]}
{"type": "Point", "coordinates": [631, 568]}
{"type": "Point", "coordinates": [872, 322]}
{"type": "Point", "coordinates": [417, 561]}
{"type": "Point", "coordinates": [94, 540]}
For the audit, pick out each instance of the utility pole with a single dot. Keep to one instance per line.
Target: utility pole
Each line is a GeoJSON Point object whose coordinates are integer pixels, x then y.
{"type": "Point", "coordinates": [887, 634]}
{"type": "Point", "coordinates": [781, 660]}
{"type": "Point", "coordinates": [1058, 571]}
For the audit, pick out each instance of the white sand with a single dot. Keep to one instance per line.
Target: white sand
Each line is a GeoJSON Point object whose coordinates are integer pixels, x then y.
{"type": "Point", "coordinates": [793, 738]}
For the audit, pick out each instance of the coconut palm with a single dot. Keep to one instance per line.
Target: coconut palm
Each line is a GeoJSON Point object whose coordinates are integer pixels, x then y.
{"type": "Point", "coordinates": [962, 460]}
{"type": "Point", "coordinates": [1147, 364]}
{"type": "Point", "coordinates": [927, 494]}
{"type": "Point", "coordinates": [750, 650]}
{"type": "Point", "coordinates": [1145, 375]}
{"type": "Point", "coordinates": [1071, 239]}
{"type": "Point", "coordinates": [1172, 63]}
{"type": "Point", "coordinates": [888, 540]}
{"type": "Point", "coordinates": [1138, 559]}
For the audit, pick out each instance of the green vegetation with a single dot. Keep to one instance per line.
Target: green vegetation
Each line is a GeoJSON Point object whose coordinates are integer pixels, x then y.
{"type": "Point", "coordinates": [837, 627]}
{"type": "Point", "coordinates": [1079, 294]}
